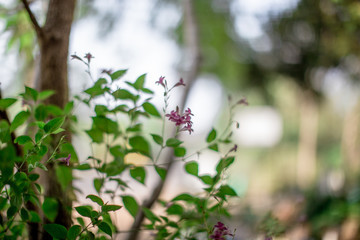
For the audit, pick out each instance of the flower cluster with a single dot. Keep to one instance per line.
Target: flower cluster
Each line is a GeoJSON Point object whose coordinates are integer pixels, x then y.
{"type": "Point", "coordinates": [220, 232]}
{"type": "Point", "coordinates": [182, 120]}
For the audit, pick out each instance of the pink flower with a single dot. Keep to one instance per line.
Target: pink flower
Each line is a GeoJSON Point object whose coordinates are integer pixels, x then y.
{"type": "Point", "coordinates": [88, 56]}
{"type": "Point", "coordinates": [243, 101]}
{"type": "Point", "coordinates": [180, 83]}
{"type": "Point", "coordinates": [220, 232]}
{"type": "Point", "coordinates": [181, 120]}
{"type": "Point", "coordinates": [234, 148]}
{"type": "Point", "coordinates": [65, 160]}
{"type": "Point", "coordinates": [161, 81]}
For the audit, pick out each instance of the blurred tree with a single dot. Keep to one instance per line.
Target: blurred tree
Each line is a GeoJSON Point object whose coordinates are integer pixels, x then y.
{"type": "Point", "coordinates": [315, 36]}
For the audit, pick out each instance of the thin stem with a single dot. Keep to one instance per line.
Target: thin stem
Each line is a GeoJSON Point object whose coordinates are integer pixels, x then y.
{"type": "Point", "coordinates": [55, 150]}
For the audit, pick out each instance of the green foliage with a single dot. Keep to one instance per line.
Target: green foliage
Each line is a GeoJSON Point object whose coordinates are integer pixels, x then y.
{"type": "Point", "coordinates": [20, 183]}
{"type": "Point", "coordinates": [131, 205]}
{"type": "Point", "coordinates": [56, 231]}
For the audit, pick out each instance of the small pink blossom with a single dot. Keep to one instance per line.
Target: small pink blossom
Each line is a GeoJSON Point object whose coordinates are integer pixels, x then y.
{"type": "Point", "coordinates": [234, 148]}
{"type": "Point", "coordinates": [180, 83]}
{"type": "Point", "coordinates": [243, 101]}
{"type": "Point", "coordinates": [220, 232]}
{"type": "Point", "coordinates": [181, 120]}
{"type": "Point", "coordinates": [161, 81]}
{"type": "Point", "coordinates": [65, 160]}
{"type": "Point", "coordinates": [88, 56]}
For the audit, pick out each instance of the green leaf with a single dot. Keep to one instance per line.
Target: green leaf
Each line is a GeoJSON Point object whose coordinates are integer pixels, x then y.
{"type": "Point", "coordinates": [19, 119]}
{"type": "Point", "coordinates": [138, 174]}
{"type": "Point", "coordinates": [105, 124]}
{"type": "Point", "coordinates": [131, 205]}
{"type": "Point", "coordinates": [119, 182]}
{"type": "Point", "coordinates": [54, 110]}
{"type": "Point", "coordinates": [151, 109]}
{"type": "Point", "coordinates": [50, 208]}
{"type": "Point", "coordinates": [59, 130]}
{"type": "Point", "coordinates": [117, 151]}
{"type": "Point", "coordinates": [118, 74]}
{"type": "Point", "coordinates": [214, 147]}
{"type": "Point", "coordinates": [96, 135]}
{"type": "Point", "coordinates": [98, 183]}
{"type": "Point", "coordinates": [21, 140]}
{"type": "Point", "coordinates": [30, 93]}
{"type": "Point", "coordinates": [135, 128]}
{"type": "Point", "coordinates": [140, 144]}
{"type": "Point", "coordinates": [108, 208]}
{"type": "Point", "coordinates": [83, 167]}
{"type": "Point", "coordinates": [101, 110]}
{"type": "Point", "coordinates": [64, 176]}
{"type": "Point", "coordinates": [157, 139]}
{"type": "Point", "coordinates": [41, 112]}
{"type": "Point", "coordinates": [43, 150]}
{"type": "Point", "coordinates": [123, 95]}
{"type": "Point", "coordinates": [183, 197]}
{"type": "Point", "coordinates": [46, 94]}
{"type": "Point", "coordinates": [74, 232]}
{"type": "Point", "coordinates": [84, 211]}
{"type": "Point", "coordinates": [56, 230]}
{"type": "Point", "coordinates": [4, 131]}
{"type": "Point", "coordinates": [103, 226]}
{"type": "Point", "coordinates": [179, 152]}
{"type": "Point", "coordinates": [161, 171]}
{"type": "Point", "coordinates": [146, 90]}
{"type": "Point", "coordinates": [175, 209]}
{"type": "Point", "coordinates": [34, 217]}
{"type": "Point", "coordinates": [173, 142]}
{"type": "Point", "coordinates": [150, 215]}
{"type": "Point", "coordinates": [100, 82]}
{"type": "Point", "coordinates": [6, 102]}
{"type": "Point", "coordinates": [224, 163]}
{"type": "Point", "coordinates": [81, 221]}
{"type": "Point", "coordinates": [3, 202]}
{"type": "Point", "coordinates": [139, 83]}
{"type": "Point", "coordinates": [96, 90]}
{"type": "Point", "coordinates": [33, 177]}
{"type": "Point", "coordinates": [192, 168]}
{"type": "Point", "coordinates": [69, 107]}
{"type": "Point", "coordinates": [227, 190]}
{"type": "Point", "coordinates": [207, 179]}
{"type": "Point", "coordinates": [24, 214]}
{"type": "Point", "coordinates": [54, 124]}
{"type": "Point", "coordinates": [212, 136]}
{"type": "Point", "coordinates": [96, 199]}
{"type": "Point", "coordinates": [11, 211]}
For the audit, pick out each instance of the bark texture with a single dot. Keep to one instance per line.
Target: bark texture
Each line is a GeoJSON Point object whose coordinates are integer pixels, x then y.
{"type": "Point", "coordinates": [53, 39]}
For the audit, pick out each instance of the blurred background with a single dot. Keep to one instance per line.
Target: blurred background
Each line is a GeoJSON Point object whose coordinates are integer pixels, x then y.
{"type": "Point", "coordinates": [297, 63]}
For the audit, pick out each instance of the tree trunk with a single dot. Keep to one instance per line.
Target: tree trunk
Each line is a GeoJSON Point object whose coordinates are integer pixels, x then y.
{"type": "Point", "coordinates": [350, 141]}
{"type": "Point", "coordinates": [53, 39]}
{"type": "Point", "coordinates": [54, 47]}
{"type": "Point", "coordinates": [308, 131]}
